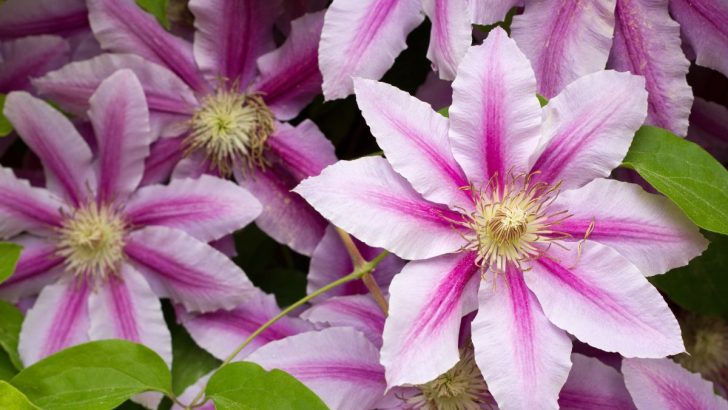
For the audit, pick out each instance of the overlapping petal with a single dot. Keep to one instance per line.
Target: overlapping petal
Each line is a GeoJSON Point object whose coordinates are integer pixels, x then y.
{"type": "Point", "coordinates": [358, 311]}
{"type": "Point", "coordinates": [428, 300]}
{"type": "Point", "coordinates": [26, 208]}
{"type": "Point", "coordinates": [368, 199]}
{"type": "Point", "coordinates": [523, 357]}
{"type": "Point", "coordinates": [37, 267]}
{"type": "Point", "coordinates": [450, 36]}
{"type": "Point", "coordinates": [594, 293]}
{"type": "Point", "coordinates": [495, 115]}
{"type": "Point", "coordinates": [20, 18]}
{"type": "Point", "coordinates": [491, 11]}
{"type": "Point", "coordinates": [709, 127]}
{"type": "Point", "coordinates": [704, 25]}
{"type": "Point", "coordinates": [29, 57]}
{"type": "Point", "coordinates": [647, 229]}
{"type": "Point", "coordinates": [593, 385]}
{"type": "Point", "coordinates": [164, 154]}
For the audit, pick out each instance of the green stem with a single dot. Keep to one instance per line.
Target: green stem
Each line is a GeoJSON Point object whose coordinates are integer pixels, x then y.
{"type": "Point", "coordinates": [358, 273]}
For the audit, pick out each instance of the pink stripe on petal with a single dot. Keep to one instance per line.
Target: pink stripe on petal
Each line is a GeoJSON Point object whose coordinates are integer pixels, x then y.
{"type": "Point", "coordinates": [564, 39]}
{"type": "Point", "coordinates": [20, 18]}
{"type": "Point", "coordinates": [495, 116]}
{"type": "Point", "coordinates": [58, 319]}
{"type": "Point", "coordinates": [662, 383]}
{"type": "Point", "coordinates": [164, 154]}
{"type": "Point", "coordinates": [26, 208]}
{"type": "Point", "coordinates": [450, 36]}
{"type": "Point", "coordinates": [414, 139]}
{"type": "Point", "coordinates": [523, 357]}
{"type": "Point", "coordinates": [371, 33]}
{"type": "Point", "coordinates": [29, 57]}
{"type": "Point", "coordinates": [65, 155]}
{"type": "Point", "coordinates": [231, 34]}
{"type": "Point", "coordinates": [123, 27]}
{"type": "Point", "coordinates": [289, 76]}
{"type": "Point", "coordinates": [704, 25]}
{"type": "Point", "coordinates": [645, 228]}
{"type": "Point", "coordinates": [121, 124]}
{"type": "Point", "coordinates": [367, 198]}
{"type": "Point", "coordinates": [587, 130]}
{"type": "Point", "coordinates": [37, 267]}
{"type": "Point", "coordinates": [598, 294]}
{"type": "Point", "coordinates": [302, 150]}
{"type": "Point", "coordinates": [427, 302]}
{"type": "Point", "coordinates": [339, 364]}
{"type": "Point", "coordinates": [647, 43]}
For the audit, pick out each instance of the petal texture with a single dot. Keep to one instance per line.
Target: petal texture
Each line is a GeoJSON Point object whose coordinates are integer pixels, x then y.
{"type": "Point", "coordinates": [428, 300]}
{"type": "Point", "coordinates": [20, 18]}
{"type": "Point", "coordinates": [26, 208]}
{"type": "Point", "coordinates": [495, 115]}
{"type": "Point", "coordinates": [339, 364]}
{"type": "Point", "coordinates": [370, 33]}
{"type": "Point", "coordinates": [662, 383]}
{"type": "Point", "coordinates": [414, 139]}
{"type": "Point", "coordinates": [564, 40]}
{"type": "Point", "coordinates": [647, 43]}
{"type": "Point", "coordinates": [523, 358]}
{"type": "Point", "coordinates": [601, 298]}
{"type": "Point", "coordinates": [647, 229]}
{"type": "Point", "coordinates": [358, 311]}
{"type": "Point", "coordinates": [29, 57]}
{"type": "Point", "coordinates": [367, 198]}
{"type": "Point", "coordinates": [171, 261]}
{"type": "Point", "coordinates": [588, 128]}
{"type": "Point", "coordinates": [450, 36]}
{"type": "Point", "coordinates": [37, 267]}
{"type": "Point", "coordinates": [704, 25]}
{"type": "Point", "coordinates": [491, 11]}
{"type": "Point", "coordinates": [593, 385]}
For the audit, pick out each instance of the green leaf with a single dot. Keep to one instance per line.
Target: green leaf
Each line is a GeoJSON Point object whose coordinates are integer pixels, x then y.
{"type": "Point", "coordinates": [445, 111]}
{"type": "Point", "coordinates": [683, 172]}
{"type": "Point", "coordinates": [702, 285]}
{"type": "Point", "coordinates": [157, 8]}
{"type": "Point", "coordinates": [245, 385]}
{"type": "Point", "coordinates": [94, 376]}
{"type": "Point", "coordinates": [10, 321]}
{"type": "Point", "coordinates": [11, 398]}
{"type": "Point", "coordinates": [9, 254]}
{"type": "Point", "coordinates": [542, 100]}
{"type": "Point", "coordinates": [5, 126]}
{"type": "Point", "coordinates": [7, 369]}
{"type": "Point", "coordinates": [189, 361]}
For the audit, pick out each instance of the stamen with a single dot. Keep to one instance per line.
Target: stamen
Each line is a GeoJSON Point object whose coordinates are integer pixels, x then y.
{"type": "Point", "coordinates": [231, 128]}
{"type": "Point", "coordinates": [92, 241]}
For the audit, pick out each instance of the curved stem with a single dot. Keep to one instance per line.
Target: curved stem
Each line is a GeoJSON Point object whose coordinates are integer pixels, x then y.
{"type": "Point", "coordinates": [358, 273]}
{"type": "Point", "coordinates": [358, 260]}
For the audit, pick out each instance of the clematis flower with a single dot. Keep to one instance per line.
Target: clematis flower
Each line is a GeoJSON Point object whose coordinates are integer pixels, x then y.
{"type": "Point", "coordinates": [504, 209]}
{"type": "Point", "coordinates": [102, 251]}
{"type": "Point", "coordinates": [227, 113]}
{"type": "Point", "coordinates": [703, 26]}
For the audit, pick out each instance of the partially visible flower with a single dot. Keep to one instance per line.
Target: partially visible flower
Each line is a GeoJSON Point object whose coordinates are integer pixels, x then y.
{"type": "Point", "coordinates": [704, 27]}
{"type": "Point", "coordinates": [706, 342]}
{"type": "Point", "coordinates": [503, 208]}
{"type": "Point", "coordinates": [663, 384]}
{"type": "Point", "coordinates": [100, 250]}
{"type": "Point", "coordinates": [227, 111]}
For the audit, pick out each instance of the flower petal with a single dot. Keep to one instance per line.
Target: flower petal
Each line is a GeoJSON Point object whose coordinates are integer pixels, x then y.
{"type": "Point", "coordinates": [164, 154]}
{"type": "Point", "coordinates": [358, 311]}
{"type": "Point", "coordinates": [414, 139]}
{"type": "Point", "coordinates": [72, 85]}
{"type": "Point", "coordinates": [20, 18]}
{"type": "Point", "coordinates": [593, 385]}
{"type": "Point", "coordinates": [121, 26]}
{"type": "Point", "coordinates": [523, 358]}
{"type": "Point", "coordinates": [120, 119]}
{"type": "Point", "coordinates": [65, 155]}
{"type": "Point", "coordinates": [207, 208]}
{"type": "Point", "coordinates": [221, 332]}
{"type": "Point", "coordinates": [37, 267]}
{"type": "Point", "coordinates": [662, 383]}
{"type": "Point", "coordinates": [370, 33]}
{"type": "Point", "coordinates": [564, 40]}
{"type": "Point", "coordinates": [704, 25]}
{"type": "Point", "coordinates": [491, 11]}
{"type": "Point", "coordinates": [647, 229]}
{"type": "Point", "coordinates": [647, 43]}
{"type": "Point", "coordinates": [170, 260]}
{"type": "Point", "coordinates": [124, 307]}
{"type": "Point", "coordinates": [29, 57]}
{"type": "Point", "coordinates": [339, 364]}
{"type": "Point", "coordinates": [330, 261]}
{"type": "Point", "coordinates": [495, 115]}
{"type": "Point", "coordinates": [58, 319]}
{"type": "Point", "coordinates": [303, 150]}
{"type": "Point", "coordinates": [289, 76]}
{"type": "Point", "coordinates": [588, 128]}
{"type": "Point", "coordinates": [450, 36]}
{"type": "Point", "coordinates": [368, 199]}
{"type": "Point", "coordinates": [26, 208]}
{"type": "Point", "coordinates": [601, 298]}
{"type": "Point", "coordinates": [428, 300]}
{"type": "Point", "coordinates": [434, 91]}
{"type": "Point", "coordinates": [231, 34]}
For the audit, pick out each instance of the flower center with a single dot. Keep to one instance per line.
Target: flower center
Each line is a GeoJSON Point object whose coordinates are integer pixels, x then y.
{"type": "Point", "coordinates": [461, 388]}
{"type": "Point", "coordinates": [513, 223]}
{"type": "Point", "coordinates": [231, 128]}
{"type": "Point", "coordinates": [92, 241]}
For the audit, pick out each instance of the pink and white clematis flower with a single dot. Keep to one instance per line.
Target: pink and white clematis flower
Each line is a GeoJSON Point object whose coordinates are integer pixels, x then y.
{"type": "Point", "coordinates": [226, 96]}
{"type": "Point", "coordinates": [102, 251]}
{"type": "Point", "coordinates": [474, 202]}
